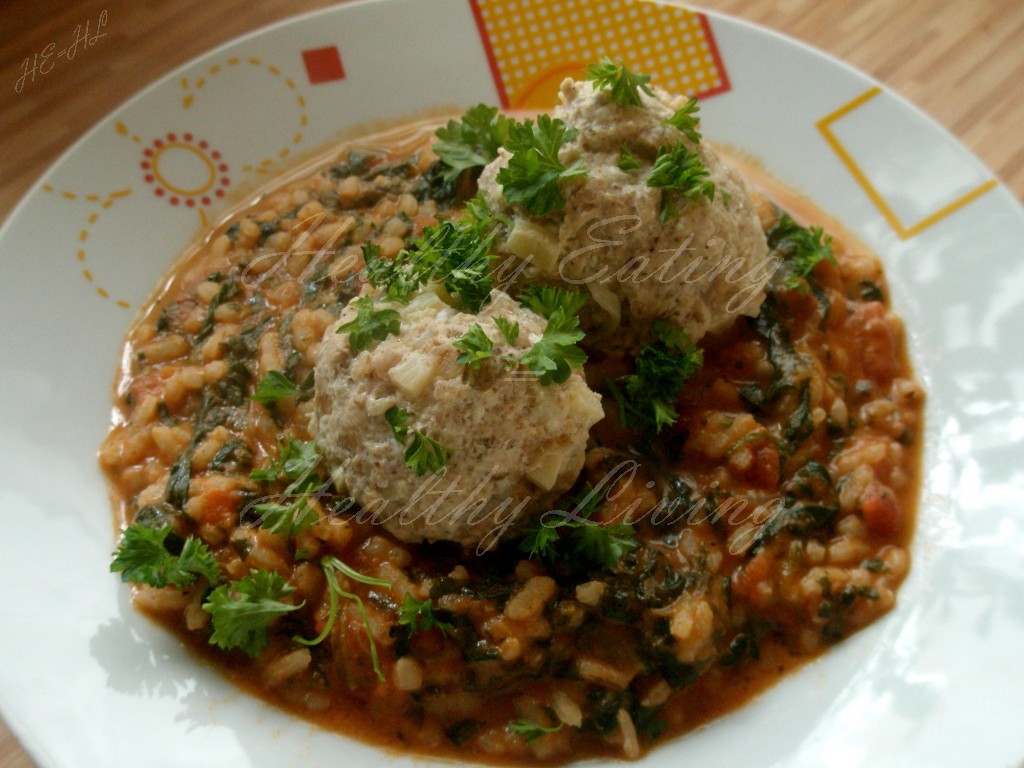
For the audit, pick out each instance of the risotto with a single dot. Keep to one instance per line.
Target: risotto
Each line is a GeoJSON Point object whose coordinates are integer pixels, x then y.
{"type": "Point", "coordinates": [386, 463]}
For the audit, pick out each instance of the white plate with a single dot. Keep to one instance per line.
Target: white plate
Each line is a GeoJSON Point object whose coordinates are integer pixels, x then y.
{"type": "Point", "coordinates": [85, 681]}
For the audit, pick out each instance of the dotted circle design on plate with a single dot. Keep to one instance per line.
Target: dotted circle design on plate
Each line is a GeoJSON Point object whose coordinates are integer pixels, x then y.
{"type": "Point", "coordinates": [192, 87]}
{"type": "Point", "coordinates": [184, 170]}
{"type": "Point", "coordinates": [97, 205]}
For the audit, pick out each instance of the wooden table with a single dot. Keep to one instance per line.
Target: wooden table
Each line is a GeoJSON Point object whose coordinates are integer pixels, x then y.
{"type": "Point", "coordinates": [962, 61]}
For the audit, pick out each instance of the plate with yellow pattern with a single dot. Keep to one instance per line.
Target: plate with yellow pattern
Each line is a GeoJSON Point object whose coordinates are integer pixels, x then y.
{"type": "Point", "coordinates": [86, 681]}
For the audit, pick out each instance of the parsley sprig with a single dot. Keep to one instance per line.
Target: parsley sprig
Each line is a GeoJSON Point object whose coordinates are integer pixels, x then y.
{"type": "Point", "coordinates": [472, 141]}
{"type": "Point", "coordinates": [275, 386]}
{"type": "Point", "coordinates": [509, 331]}
{"type": "Point", "coordinates": [552, 358]}
{"type": "Point", "coordinates": [422, 454]}
{"type": "Point", "coordinates": [626, 160]}
{"type": "Point", "coordinates": [546, 300]}
{"type": "Point", "coordinates": [647, 398]}
{"type": "Point", "coordinates": [686, 121]}
{"type": "Point", "coordinates": [370, 324]}
{"type": "Point", "coordinates": [625, 86]}
{"type": "Point", "coordinates": [679, 171]}
{"type": "Point", "coordinates": [458, 256]}
{"type": "Point", "coordinates": [332, 567]}
{"type": "Point", "coordinates": [142, 557]}
{"type": "Point", "coordinates": [398, 418]}
{"type": "Point", "coordinates": [585, 541]}
{"type": "Point", "coordinates": [534, 173]}
{"type": "Point", "coordinates": [297, 461]}
{"type": "Point", "coordinates": [474, 347]}
{"type": "Point", "coordinates": [418, 616]}
{"type": "Point", "coordinates": [454, 254]}
{"type": "Point", "coordinates": [604, 545]}
{"type": "Point", "coordinates": [394, 276]}
{"type": "Point", "coordinates": [241, 612]}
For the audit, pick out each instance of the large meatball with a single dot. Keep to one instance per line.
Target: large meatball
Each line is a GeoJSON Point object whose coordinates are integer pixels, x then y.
{"type": "Point", "coordinates": [514, 445]}
{"type": "Point", "coordinates": [698, 269]}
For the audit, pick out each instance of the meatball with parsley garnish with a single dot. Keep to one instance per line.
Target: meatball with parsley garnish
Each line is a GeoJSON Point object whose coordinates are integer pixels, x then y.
{"type": "Point", "coordinates": [445, 409]}
{"type": "Point", "coordinates": [637, 210]}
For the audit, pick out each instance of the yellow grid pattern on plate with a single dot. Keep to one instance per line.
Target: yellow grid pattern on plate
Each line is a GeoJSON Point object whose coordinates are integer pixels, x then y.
{"type": "Point", "coordinates": [537, 43]}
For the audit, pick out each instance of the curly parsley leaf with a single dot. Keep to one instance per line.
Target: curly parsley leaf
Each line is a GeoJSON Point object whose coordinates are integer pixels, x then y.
{"type": "Point", "coordinates": [398, 277]}
{"type": "Point", "coordinates": [472, 141]}
{"type": "Point", "coordinates": [456, 255]}
{"type": "Point", "coordinates": [546, 300]}
{"type": "Point", "coordinates": [540, 540]}
{"type": "Point", "coordinates": [529, 731]}
{"type": "Point", "coordinates": [509, 331]}
{"type": "Point", "coordinates": [481, 221]}
{"type": "Point", "coordinates": [195, 560]}
{"type": "Point", "coordinates": [418, 616]}
{"type": "Point", "coordinates": [424, 454]}
{"type": "Point", "coordinates": [803, 248]}
{"type": "Point", "coordinates": [142, 558]}
{"type": "Point", "coordinates": [556, 353]}
{"type": "Point", "coordinates": [534, 172]}
{"type": "Point", "coordinates": [474, 347]}
{"type": "Point", "coordinates": [241, 612]}
{"type": "Point", "coordinates": [296, 460]}
{"type": "Point", "coordinates": [370, 324]}
{"type": "Point", "coordinates": [625, 86]}
{"type": "Point", "coordinates": [294, 510]}
{"type": "Point", "coordinates": [275, 386]}
{"type": "Point", "coordinates": [604, 545]}
{"type": "Point", "coordinates": [398, 418]}
{"type": "Point", "coordinates": [591, 543]}
{"type": "Point", "coordinates": [391, 275]}
{"type": "Point", "coordinates": [626, 160]}
{"type": "Point", "coordinates": [679, 171]}
{"type": "Point", "coordinates": [647, 398]}
{"type": "Point", "coordinates": [686, 121]}
{"type": "Point", "coordinates": [676, 340]}
{"type": "Point", "coordinates": [479, 212]}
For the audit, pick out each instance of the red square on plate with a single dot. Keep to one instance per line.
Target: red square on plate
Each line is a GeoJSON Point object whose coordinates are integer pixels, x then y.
{"type": "Point", "coordinates": [323, 65]}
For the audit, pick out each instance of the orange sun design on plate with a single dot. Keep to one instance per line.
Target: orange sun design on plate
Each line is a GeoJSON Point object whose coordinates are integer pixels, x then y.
{"type": "Point", "coordinates": [184, 170]}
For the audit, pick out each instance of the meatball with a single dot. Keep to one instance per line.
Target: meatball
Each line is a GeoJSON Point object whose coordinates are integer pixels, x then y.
{"type": "Point", "coordinates": [513, 445]}
{"type": "Point", "coordinates": [699, 263]}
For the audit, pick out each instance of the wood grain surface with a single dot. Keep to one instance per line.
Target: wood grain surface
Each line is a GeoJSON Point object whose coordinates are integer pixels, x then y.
{"type": "Point", "coordinates": [962, 61]}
